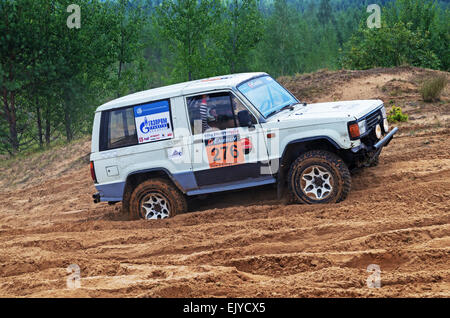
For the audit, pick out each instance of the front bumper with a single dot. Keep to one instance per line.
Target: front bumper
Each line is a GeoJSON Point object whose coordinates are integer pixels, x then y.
{"type": "Point", "coordinates": [367, 152]}
{"type": "Point", "coordinates": [386, 140]}
{"type": "Point", "coordinates": [368, 147]}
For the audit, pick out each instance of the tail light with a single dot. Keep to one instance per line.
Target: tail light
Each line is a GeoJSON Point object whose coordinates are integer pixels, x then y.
{"type": "Point", "coordinates": [353, 130]}
{"type": "Point", "coordinates": [93, 172]}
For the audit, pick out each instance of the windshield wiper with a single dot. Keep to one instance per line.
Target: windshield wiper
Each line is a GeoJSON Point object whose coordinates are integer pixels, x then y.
{"type": "Point", "coordinates": [288, 106]}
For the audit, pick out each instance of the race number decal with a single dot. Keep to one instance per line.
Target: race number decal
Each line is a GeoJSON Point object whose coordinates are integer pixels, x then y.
{"type": "Point", "coordinates": [224, 148]}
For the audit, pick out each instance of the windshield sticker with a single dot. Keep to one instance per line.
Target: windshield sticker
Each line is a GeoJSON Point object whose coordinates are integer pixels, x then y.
{"type": "Point", "coordinates": [153, 121]}
{"type": "Point", "coordinates": [215, 79]}
{"type": "Point", "coordinates": [255, 83]}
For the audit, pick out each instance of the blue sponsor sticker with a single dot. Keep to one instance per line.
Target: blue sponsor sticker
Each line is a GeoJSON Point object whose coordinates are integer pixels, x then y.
{"type": "Point", "coordinates": [151, 108]}
{"type": "Point", "coordinates": [153, 121]}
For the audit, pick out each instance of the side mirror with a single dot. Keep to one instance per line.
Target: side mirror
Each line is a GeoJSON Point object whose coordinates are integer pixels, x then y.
{"type": "Point", "coordinates": [244, 119]}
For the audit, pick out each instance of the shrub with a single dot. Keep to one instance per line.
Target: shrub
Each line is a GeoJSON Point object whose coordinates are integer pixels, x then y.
{"type": "Point", "coordinates": [432, 88]}
{"type": "Point", "coordinates": [395, 115]}
{"type": "Point", "coordinates": [392, 45]}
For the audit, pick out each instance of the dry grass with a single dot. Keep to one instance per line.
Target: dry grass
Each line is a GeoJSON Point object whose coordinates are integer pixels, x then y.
{"type": "Point", "coordinates": [34, 168]}
{"type": "Point", "coordinates": [432, 88]}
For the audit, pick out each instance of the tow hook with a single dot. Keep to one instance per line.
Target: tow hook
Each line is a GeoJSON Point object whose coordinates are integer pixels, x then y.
{"type": "Point", "coordinates": [96, 197]}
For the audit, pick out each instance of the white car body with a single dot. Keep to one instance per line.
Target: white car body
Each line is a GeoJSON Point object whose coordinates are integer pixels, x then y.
{"type": "Point", "coordinates": [181, 157]}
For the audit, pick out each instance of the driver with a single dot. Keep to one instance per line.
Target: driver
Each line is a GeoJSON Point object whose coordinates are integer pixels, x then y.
{"type": "Point", "coordinates": [206, 114]}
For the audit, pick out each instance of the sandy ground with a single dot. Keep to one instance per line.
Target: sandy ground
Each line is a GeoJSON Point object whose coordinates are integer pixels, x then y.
{"type": "Point", "coordinates": [246, 243]}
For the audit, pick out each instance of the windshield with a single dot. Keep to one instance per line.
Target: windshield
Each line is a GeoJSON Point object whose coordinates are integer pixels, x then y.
{"type": "Point", "coordinates": [266, 95]}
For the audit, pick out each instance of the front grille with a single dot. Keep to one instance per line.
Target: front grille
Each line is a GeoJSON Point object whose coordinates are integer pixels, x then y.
{"type": "Point", "coordinates": [373, 119]}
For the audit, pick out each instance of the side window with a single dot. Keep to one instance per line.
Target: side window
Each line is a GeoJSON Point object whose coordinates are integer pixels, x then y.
{"type": "Point", "coordinates": [212, 112]}
{"type": "Point", "coordinates": [238, 106]}
{"type": "Point", "coordinates": [119, 129]}
{"type": "Point", "coordinates": [138, 124]}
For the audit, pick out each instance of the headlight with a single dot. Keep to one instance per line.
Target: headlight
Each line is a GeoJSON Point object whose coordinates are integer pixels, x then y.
{"type": "Point", "coordinates": [383, 112]}
{"type": "Point", "coordinates": [378, 131]}
{"type": "Point", "coordinates": [362, 127]}
{"type": "Point", "coordinates": [385, 126]}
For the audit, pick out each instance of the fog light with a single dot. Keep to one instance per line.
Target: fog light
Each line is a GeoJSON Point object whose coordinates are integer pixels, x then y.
{"type": "Point", "coordinates": [385, 125]}
{"type": "Point", "coordinates": [378, 131]}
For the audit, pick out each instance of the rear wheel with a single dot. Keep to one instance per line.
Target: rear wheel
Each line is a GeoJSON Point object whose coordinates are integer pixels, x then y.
{"type": "Point", "coordinates": [156, 199]}
{"type": "Point", "coordinates": [319, 177]}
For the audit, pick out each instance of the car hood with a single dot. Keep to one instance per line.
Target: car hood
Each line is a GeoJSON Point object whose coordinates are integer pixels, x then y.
{"type": "Point", "coordinates": [333, 110]}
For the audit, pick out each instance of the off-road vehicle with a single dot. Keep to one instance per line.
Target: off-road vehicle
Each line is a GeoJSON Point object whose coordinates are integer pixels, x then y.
{"type": "Point", "coordinates": [153, 149]}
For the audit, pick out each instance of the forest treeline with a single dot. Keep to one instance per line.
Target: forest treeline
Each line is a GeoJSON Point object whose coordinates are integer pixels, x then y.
{"type": "Point", "coordinates": [52, 77]}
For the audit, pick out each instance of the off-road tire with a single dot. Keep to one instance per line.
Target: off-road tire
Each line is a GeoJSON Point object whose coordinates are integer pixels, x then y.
{"type": "Point", "coordinates": [176, 200]}
{"type": "Point", "coordinates": [338, 170]}
{"type": "Point", "coordinates": [126, 201]}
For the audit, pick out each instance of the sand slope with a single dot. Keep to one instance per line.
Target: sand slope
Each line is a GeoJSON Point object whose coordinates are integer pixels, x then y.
{"type": "Point", "coordinates": [246, 243]}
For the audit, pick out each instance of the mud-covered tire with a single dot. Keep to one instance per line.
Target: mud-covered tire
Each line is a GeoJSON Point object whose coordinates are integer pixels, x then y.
{"type": "Point", "coordinates": [319, 170]}
{"type": "Point", "coordinates": [168, 194]}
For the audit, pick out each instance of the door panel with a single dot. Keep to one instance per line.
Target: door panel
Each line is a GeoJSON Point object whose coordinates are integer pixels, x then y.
{"type": "Point", "coordinates": [225, 153]}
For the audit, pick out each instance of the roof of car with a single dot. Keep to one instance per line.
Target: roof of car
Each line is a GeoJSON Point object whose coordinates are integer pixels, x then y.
{"type": "Point", "coordinates": [186, 88]}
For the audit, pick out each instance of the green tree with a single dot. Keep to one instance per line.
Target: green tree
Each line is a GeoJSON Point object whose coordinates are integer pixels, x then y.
{"type": "Point", "coordinates": [83, 64]}
{"type": "Point", "coordinates": [18, 54]}
{"type": "Point", "coordinates": [411, 33]}
{"type": "Point", "coordinates": [129, 22]}
{"type": "Point", "coordinates": [279, 50]}
{"type": "Point", "coordinates": [419, 15]}
{"type": "Point", "coordinates": [186, 24]}
{"type": "Point", "coordinates": [324, 13]}
{"type": "Point", "coordinates": [388, 46]}
{"type": "Point", "coordinates": [241, 31]}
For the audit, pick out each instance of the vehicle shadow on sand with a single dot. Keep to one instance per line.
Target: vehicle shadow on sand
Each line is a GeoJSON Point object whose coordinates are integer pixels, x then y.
{"type": "Point", "coordinates": [244, 197]}
{"type": "Point", "coordinates": [238, 198]}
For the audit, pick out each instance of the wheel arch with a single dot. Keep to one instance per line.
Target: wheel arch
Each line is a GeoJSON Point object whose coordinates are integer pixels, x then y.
{"type": "Point", "coordinates": [137, 177]}
{"type": "Point", "coordinates": [298, 146]}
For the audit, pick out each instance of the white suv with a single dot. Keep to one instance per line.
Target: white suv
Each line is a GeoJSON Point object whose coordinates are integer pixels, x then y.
{"type": "Point", "coordinates": [154, 148]}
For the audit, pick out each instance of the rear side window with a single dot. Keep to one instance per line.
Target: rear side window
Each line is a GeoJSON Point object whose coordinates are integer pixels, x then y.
{"type": "Point", "coordinates": [118, 129]}
{"type": "Point", "coordinates": [135, 125]}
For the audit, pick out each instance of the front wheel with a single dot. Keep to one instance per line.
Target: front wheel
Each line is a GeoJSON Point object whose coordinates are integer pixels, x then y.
{"type": "Point", "coordinates": [156, 199]}
{"type": "Point", "coordinates": [319, 176]}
